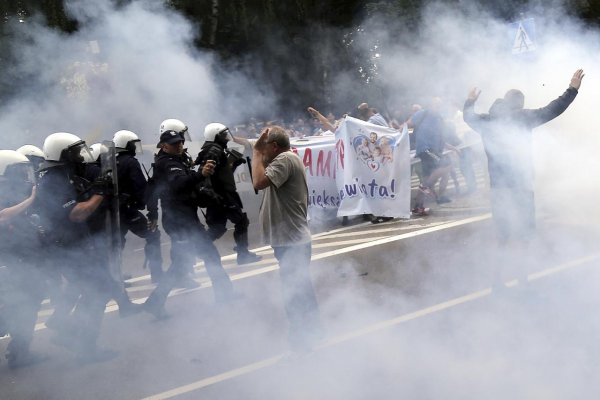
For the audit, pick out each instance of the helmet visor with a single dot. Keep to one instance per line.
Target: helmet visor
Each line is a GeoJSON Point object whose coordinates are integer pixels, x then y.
{"type": "Point", "coordinates": [225, 135]}
{"type": "Point", "coordinates": [19, 173]}
{"type": "Point", "coordinates": [185, 135]}
{"type": "Point", "coordinates": [79, 152]}
{"type": "Point", "coordinates": [136, 146]}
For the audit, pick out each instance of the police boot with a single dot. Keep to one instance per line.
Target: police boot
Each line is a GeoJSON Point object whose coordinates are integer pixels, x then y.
{"type": "Point", "coordinates": [240, 235]}
{"type": "Point", "coordinates": [159, 312]}
{"type": "Point", "coordinates": [246, 257]}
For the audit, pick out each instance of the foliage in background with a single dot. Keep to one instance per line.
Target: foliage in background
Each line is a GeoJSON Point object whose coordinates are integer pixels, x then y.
{"type": "Point", "coordinates": [294, 47]}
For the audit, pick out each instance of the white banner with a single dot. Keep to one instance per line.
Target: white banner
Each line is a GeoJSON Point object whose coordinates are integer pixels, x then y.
{"type": "Point", "coordinates": [372, 170]}
{"type": "Point", "coordinates": [318, 156]}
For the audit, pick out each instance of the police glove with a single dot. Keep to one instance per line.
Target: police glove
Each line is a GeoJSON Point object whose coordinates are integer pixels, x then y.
{"type": "Point", "coordinates": [103, 186]}
{"type": "Point", "coordinates": [237, 163]}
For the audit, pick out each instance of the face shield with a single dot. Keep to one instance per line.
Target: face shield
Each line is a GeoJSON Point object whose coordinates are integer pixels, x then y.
{"type": "Point", "coordinates": [223, 137]}
{"type": "Point", "coordinates": [16, 183]}
{"type": "Point", "coordinates": [185, 135]}
{"type": "Point", "coordinates": [19, 173]}
{"type": "Point", "coordinates": [135, 146]}
{"type": "Point", "coordinates": [79, 153]}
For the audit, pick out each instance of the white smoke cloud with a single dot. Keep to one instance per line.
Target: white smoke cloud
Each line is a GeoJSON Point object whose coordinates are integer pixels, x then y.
{"type": "Point", "coordinates": [153, 73]}
{"type": "Point", "coordinates": [457, 48]}
{"type": "Point", "coordinates": [126, 67]}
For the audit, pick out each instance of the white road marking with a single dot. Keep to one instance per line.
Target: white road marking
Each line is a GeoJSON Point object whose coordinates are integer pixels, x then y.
{"type": "Point", "coordinates": [274, 267]}
{"type": "Point", "coordinates": [247, 369]}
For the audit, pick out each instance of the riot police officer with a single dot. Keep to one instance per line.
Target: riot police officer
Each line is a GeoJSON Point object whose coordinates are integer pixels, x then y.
{"type": "Point", "coordinates": [177, 186]}
{"type": "Point", "coordinates": [69, 194]}
{"type": "Point", "coordinates": [23, 285]}
{"type": "Point", "coordinates": [34, 154]}
{"type": "Point", "coordinates": [231, 208]}
{"type": "Point", "coordinates": [132, 192]}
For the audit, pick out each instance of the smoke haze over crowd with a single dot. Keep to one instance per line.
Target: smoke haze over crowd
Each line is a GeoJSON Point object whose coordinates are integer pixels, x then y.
{"type": "Point", "coordinates": [132, 66]}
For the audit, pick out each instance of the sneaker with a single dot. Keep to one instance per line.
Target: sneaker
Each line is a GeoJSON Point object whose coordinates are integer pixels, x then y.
{"type": "Point", "coordinates": [420, 211]}
{"type": "Point", "coordinates": [247, 257]}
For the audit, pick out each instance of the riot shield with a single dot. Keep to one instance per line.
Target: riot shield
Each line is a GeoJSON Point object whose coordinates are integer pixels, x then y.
{"type": "Point", "coordinates": [108, 169]}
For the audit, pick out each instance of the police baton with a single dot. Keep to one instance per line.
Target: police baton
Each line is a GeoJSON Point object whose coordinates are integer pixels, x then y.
{"type": "Point", "coordinates": [249, 162]}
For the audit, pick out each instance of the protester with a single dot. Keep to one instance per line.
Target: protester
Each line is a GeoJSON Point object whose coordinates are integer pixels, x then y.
{"type": "Point", "coordinates": [371, 115]}
{"type": "Point", "coordinates": [283, 217]}
{"type": "Point", "coordinates": [429, 128]}
{"type": "Point", "coordinates": [506, 134]}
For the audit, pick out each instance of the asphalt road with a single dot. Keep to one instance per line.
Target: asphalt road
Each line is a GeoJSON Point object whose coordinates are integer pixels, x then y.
{"type": "Point", "coordinates": [408, 313]}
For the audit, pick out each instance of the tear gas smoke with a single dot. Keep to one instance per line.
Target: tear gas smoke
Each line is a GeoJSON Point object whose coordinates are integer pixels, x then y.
{"type": "Point", "coordinates": [487, 348]}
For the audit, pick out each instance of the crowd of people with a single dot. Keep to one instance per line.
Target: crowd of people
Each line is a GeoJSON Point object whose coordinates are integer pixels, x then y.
{"type": "Point", "coordinates": [59, 207]}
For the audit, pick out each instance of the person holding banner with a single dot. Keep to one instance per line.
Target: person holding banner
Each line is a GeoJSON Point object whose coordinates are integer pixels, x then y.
{"type": "Point", "coordinates": [429, 128]}
{"type": "Point", "coordinates": [283, 216]}
{"type": "Point", "coordinates": [371, 115]}
{"type": "Point", "coordinates": [506, 134]}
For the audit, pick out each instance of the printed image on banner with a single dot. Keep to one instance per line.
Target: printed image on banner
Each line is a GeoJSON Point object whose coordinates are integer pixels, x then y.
{"type": "Point", "coordinates": [373, 170]}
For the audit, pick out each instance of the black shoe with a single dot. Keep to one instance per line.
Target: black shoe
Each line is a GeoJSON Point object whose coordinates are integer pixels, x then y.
{"type": "Point", "coordinates": [248, 257]}
{"type": "Point", "coordinates": [129, 309]}
{"type": "Point", "coordinates": [159, 312]}
{"type": "Point", "coordinates": [378, 220]}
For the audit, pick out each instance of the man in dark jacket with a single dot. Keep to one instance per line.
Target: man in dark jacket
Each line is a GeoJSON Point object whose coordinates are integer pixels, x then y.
{"type": "Point", "coordinates": [223, 182]}
{"type": "Point", "coordinates": [506, 135]}
{"type": "Point", "coordinates": [65, 215]}
{"type": "Point", "coordinates": [177, 187]}
{"type": "Point", "coordinates": [132, 189]}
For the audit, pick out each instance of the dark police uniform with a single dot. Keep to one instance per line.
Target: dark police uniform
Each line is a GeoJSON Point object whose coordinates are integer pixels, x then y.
{"type": "Point", "coordinates": [132, 190]}
{"type": "Point", "coordinates": [24, 288]}
{"type": "Point", "coordinates": [176, 185]}
{"type": "Point", "coordinates": [73, 253]}
{"type": "Point", "coordinates": [231, 208]}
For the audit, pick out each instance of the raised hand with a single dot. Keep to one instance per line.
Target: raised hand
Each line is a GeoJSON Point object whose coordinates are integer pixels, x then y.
{"type": "Point", "coordinates": [261, 142]}
{"type": "Point", "coordinates": [577, 78]}
{"type": "Point", "coordinates": [474, 94]}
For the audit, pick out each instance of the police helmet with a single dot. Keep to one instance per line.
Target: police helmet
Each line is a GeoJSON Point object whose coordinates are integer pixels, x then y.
{"type": "Point", "coordinates": [33, 154]}
{"type": "Point", "coordinates": [215, 131]}
{"type": "Point", "coordinates": [176, 126]}
{"type": "Point", "coordinates": [62, 147]}
{"type": "Point", "coordinates": [97, 149]}
{"type": "Point", "coordinates": [14, 166]}
{"type": "Point", "coordinates": [127, 141]}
